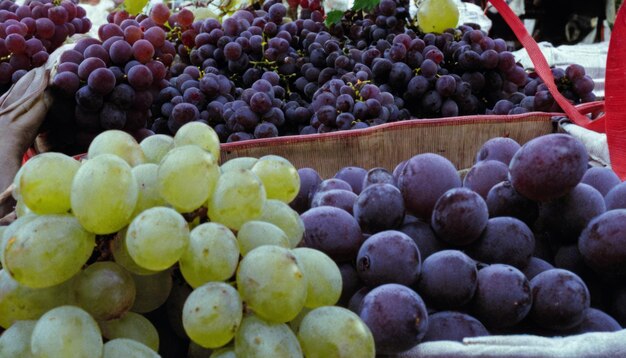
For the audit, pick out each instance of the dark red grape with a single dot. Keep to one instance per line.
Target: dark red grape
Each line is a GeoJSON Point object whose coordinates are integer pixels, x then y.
{"type": "Point", "coordinates": [332, 231]}
{"type": "Point", "coordinates": [548, 167]}
{"type": "Point", "coordinates": [560, 299]}
{"type": "Point", "coordinates": [397, 317]}
{"type": "Point", "coordinates": [459, 217]}
{"type": "Point", "coordinates": [448, 279]}
{"type": "Point", "coordinates": [503, 296]}
{"type": "Point", "coordinates": [388, 257]}
{"type": "Point", "coordinates": [423, 179]}
{"type": "Point", "coordinates": [453, 326]}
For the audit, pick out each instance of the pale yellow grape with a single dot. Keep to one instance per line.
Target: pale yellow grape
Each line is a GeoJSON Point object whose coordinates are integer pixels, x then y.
{"type": "Point", "coordinates": [132, 326]}
{"type": "Point", "coordinates": [437, 15]}
{"type": "Point", "coordinates": [15, 193]}
{"type": "Point", "coordinates": [46, 182]}
{"type": "Point", "coordinates": [226, 352]}
{"type": "Point", "coordinates": [105, 290]}
{"type": "Point", "coordinates": [283, 216]}
{"type": "Point", "coordinates": [279, 176]}
{"type": "Point", "coordinates": [66, 331]}
{"type": "Point", "coordinates": [124, 347]}
{"type": "Point", "coordinates": [200, 134]}
{"type": "Point", "coordinates": [149, 196]}
{"type": "Point", "coordinates": [122, 257]}
{"type": "Point", "coordinates": [186, 177]}
{"type": "Point", "coordinates": [333, 331]}
{"type": "Point", "coordinates": [48, 250]}
{"type": "Point", "coordinates": [151, 291]}
{"type": "Point", "coordinates": [239, 196]}
{"type": "Point", "coordinates": [118, 143]}
{"type": "Point", "coordinates": [104, 194]}
{"type": "Point", "coordinates": [19, 302]}
{"type": "Point", "coordinates": [212, 255]}
{"type": "Point", "coordinates": [11, 230]}
{"type": "Point", "coordinates": [239, 163]}
{"type": "Point", "coordinates": [15, 341]}
{"type": "Point", "coordinates": [21, 209]}
{"type": "Point", "coordinates": [257, 233]}
{"type": "Point", "coordinates": [212, 314]}
{"type": "Point", "coordinates": [157, 238]}
{"type": "Point", "coordinates": [323, 277]}
{"type": "Point", "coordinates": [294, 324]}
{"type": "Point", "coordinates": [272, 283]}
{"type": "Point", "coordinates": [155, 147]}
{"type": "Point", "coordinates": [258, 338]}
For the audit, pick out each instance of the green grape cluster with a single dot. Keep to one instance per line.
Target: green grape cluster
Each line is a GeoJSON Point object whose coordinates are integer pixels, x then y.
{"type": "Point", "coordinates": [160, 229]}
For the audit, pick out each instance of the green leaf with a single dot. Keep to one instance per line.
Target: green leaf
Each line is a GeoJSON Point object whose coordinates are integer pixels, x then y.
{"type": "Point", "coordinates": [134, 7]}
{"type": "Point", "coordinates": [333, 17]}
{"type": "Point", "coordinates": [365, 5]}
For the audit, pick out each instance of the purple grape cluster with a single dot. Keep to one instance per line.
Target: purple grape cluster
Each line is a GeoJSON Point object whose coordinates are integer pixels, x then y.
{"type": "Point", "coordinates": [529, 241]}
{"type": "Point", "coordinates": [31, 31]}
{"type": "Point", "coordinates": [371, 68]}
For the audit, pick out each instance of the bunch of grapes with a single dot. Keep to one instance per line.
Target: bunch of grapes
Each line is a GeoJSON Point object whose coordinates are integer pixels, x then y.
{"type": "Point", "coordinates": [338, 105]}
{"type": "Point", "coordinates": [486, 254]}
{"type": "Point", "coordinates": [192, 96]}
{"type": "Point", "coordinates": [110, 83]}
{"type": "Point", "coordinates": [144, 260]}
{"type": "Point", "coordinates": [31, 31]}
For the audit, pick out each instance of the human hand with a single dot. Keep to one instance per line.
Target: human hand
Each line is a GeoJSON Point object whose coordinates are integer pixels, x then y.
{"type": "Point", "coordinates": [22, 111]}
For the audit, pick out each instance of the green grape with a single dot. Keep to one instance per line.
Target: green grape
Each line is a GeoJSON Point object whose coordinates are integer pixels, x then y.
{"type": "Point", "coordinates": [259, 338]}
{"type": "Point", "coordinates": [16, 193]}
{"type": "Point", "coordinates": [212, 314]}
{"type": "Point", "coordinates": [15, 341]}
{"type": "Point", "coordinates": [151, 291]}
{"type": "Point", "coordinates": [157, 238]}
{"type": "Point", "coordinates": [323, 277]}
{"type": "Point", "coordinates": [104, 194]}
{"type": "Point", "coordinates": [149, 197]}
{"type": "Point", "coordinates": [279, 176]}
{"type": "Point", "coordinates": [105, 290]}
{"type": "Point", "coordinates": [132, 326]}
{"type": "Point", "coordinates": [225, 352]}
{"type": "Point", "coordinates": [294, 324]}
{"type": "Point", "coordinates": [11, 230]}
{"type": "Point", "coordinates": [155, 147]}
{"type": "Point", "coordinates": [283, 216]}
{"type": "Point", "coordinates": [118, 143]}
{"type": "Point", "coordinates": [66, 331]}
{"type": "Point", "coordinates": [333, 331]}
{"type": "Point", "coordinates": [257, 233]}
{"type": "Point", "coordinates": [21, 209]}
{"type": "Point", "coordinates": [212, 255]}
{"type": "Point", "coordinates": [122, 257]}
{"type": "Point", "coordinates": [200, 134]}
{"type": "Point", "coordinates": [437, 15]}
{"type": "Point", "coordinates": [48, 251]}
{"type": "Point", "coordinates": [124, 347]}
{"type": "Point", "coordinates": [46, 182]}
{"type": "Point", "coordinates": [238, 164]}
{"type": "Point", "coordinates": [186, 177]}
{"type": "Point", "coordinates": [19, 302]}
{"type": "Point", "coordinates": [239, 196]}
{"type": "Point", "coordinates": [272, 283]}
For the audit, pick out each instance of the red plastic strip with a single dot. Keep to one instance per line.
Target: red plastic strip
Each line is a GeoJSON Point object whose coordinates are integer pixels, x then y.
{"type": "Point", "coordinates": [615, 95]}
{"type": "Point", "coordinates": [539, 61]}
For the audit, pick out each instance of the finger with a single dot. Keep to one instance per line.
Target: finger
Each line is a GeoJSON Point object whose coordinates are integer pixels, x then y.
{"type": "Point", "coordinates": [33, 116]}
